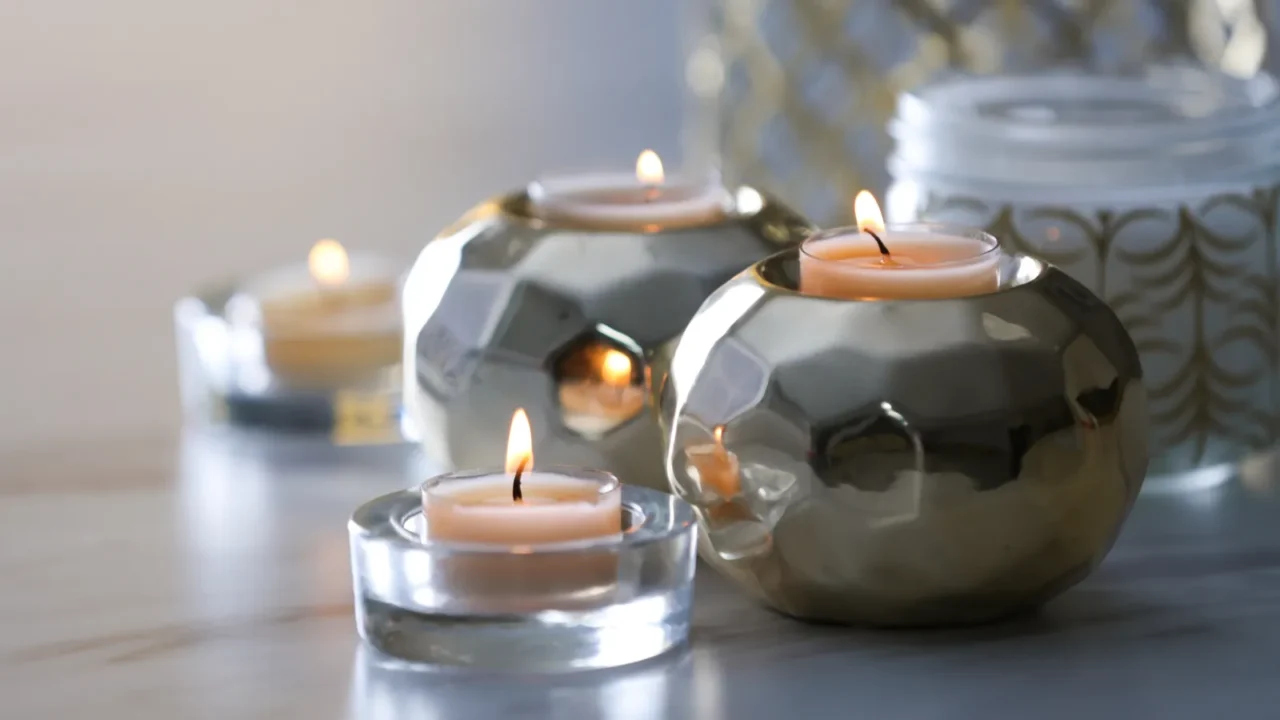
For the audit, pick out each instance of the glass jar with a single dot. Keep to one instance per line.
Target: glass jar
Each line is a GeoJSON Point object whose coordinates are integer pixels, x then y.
{"type": "Point", "coordinates": [1159, 191]}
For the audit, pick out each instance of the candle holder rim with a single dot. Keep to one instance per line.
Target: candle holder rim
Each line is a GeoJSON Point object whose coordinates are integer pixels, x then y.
{"type": "Point", "coordinates": [576, 182]}
{"type": "Point", "coordinates": [992, 249]}
{"type": "Point", "coordinates": [520, 206]}
{"type": "Point", "coordinates": [385, 518]}
{"type": "Point", "coordinates": [767, 273]}
{"type": "Point", "coordinates": [1147, 135]}
{"type": "Point", "coordinates": [940, 103]}
{"type": "Point", "coordinates": [564, 547]}
{"type": "Point", "coordinates": [609, 484]}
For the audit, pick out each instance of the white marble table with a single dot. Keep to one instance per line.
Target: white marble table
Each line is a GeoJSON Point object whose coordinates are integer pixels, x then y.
{"type": "Point", "coordinates": [151, 577]}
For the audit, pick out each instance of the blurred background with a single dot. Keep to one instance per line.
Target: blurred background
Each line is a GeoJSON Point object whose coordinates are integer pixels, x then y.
{"type": "Point", "coordinates": [148, 147]}
{"type": "Point", "coordinates": [803, 91]}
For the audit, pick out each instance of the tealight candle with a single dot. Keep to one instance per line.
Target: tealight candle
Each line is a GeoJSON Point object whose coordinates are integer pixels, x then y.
{"type": "Point", "coordinates": [646, 200]}
{"type": "Point", "coordinates": [517, 512]}
{"type": "Point", "coordinates": [873, 262]}
{"type": "Point", "coordinates": [332, 318]}
{"type": "Point", "coordinates": [522, 507]}
{"type": "Point", "coordinates": [525, 570]}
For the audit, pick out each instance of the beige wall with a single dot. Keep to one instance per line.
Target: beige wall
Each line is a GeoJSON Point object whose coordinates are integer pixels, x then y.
{"type": "Point", "coordinates": [148, 146]}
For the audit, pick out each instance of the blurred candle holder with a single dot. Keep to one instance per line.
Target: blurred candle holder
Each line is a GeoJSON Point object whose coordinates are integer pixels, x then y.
{"type": "Point", "coordinates": [311, 348]}
{"type": "Point", "coordinates": [566, 299]}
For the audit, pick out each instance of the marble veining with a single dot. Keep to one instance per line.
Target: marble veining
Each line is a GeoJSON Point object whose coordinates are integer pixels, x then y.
{"type": "Point", "coordinates": [207, 576]}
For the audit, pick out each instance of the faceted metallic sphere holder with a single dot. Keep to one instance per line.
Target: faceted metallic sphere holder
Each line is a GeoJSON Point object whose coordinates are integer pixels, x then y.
{"type": "Point", "coordinates": [506, 310]}
{"type": "Point", "coordinates": [906, 462]}
{"type": "Point", "coordinates": [225, 381]}
{"type": "Point", "coordinates": [431, 604]}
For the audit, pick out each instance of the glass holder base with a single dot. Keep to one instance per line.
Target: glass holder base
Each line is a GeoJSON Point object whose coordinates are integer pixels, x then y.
{"type": "Point", "coordinates": [597, 603]}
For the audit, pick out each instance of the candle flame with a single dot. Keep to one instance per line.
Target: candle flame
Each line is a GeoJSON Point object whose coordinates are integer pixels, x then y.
{"type": "Point", "coordinates": [519, 443]}
{"type": "Point", "coordinates": [328, 262]}
{"type": "Point", "coordinates": [866, 211]}
{"type": "Point", "coordinates": [719, 434]}
{"type": "Point", "coordinates": [649, 168]}
{"type": "Point", "coordinates": [616, 368]}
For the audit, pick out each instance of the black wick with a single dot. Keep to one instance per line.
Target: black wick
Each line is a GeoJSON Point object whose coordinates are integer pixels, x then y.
{"type": "Point", "coordinates": [884, 251]}
{"type": "Point", "coordinates": [516, 495]}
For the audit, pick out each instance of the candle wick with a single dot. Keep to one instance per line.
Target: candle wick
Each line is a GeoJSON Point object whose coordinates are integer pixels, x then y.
{"type": "Point", "coordinates": [516, 495]}
{"type": "Point", "coordinates": [884, 251]}
{"type": "Point", "coordinates": [651, 193]}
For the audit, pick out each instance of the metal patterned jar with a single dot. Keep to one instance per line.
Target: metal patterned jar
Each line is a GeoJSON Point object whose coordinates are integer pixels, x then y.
{"type": "Point", "coordinates": [1157, 191]}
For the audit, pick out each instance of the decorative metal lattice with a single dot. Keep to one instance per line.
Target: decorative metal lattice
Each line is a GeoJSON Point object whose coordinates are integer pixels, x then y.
{"type": "Point", "coordinates": [798, 92]}
{"type": "Point", "coordinates": [1195, 283]}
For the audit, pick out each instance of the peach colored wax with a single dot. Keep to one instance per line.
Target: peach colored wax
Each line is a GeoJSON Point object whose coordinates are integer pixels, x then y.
{"type": "Point", "coordinates": [921, 265]}
{"type": "Point", "coordinates": [624, 202]}
{"type": "Point", "coordinates": [554, 508]}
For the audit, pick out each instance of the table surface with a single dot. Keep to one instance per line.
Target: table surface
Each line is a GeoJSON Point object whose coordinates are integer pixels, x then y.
{"type": "Point", "coordinates": [206, 576]}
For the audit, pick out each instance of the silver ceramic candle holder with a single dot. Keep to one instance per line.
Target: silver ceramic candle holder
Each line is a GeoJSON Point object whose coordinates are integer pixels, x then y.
{"type": "Point", "coordinates": [546, 608]}
{"type": "Point", "coordinates": [572, 322]}
{"type": "Point", "coordinates": [906, 462]}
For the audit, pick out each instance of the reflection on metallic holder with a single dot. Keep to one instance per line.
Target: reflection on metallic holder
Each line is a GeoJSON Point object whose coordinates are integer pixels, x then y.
{"type": "Point", "coordinates": [906, 462]}
{"type": "Point", "coordinates": [571, 321]}
{"type": "Point", "coordinates": [591, 603]}
{"type": "Point", "coordinates": [231, 372]}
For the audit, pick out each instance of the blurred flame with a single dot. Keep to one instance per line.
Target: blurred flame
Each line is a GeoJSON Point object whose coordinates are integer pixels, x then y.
{"type": "Point", "coordinates": [649, 168]}
{"type": "Point", "coordinates": [616, 368]}
{"type": "Point", "coordinates": [328, 262]}
{"type": "Point", "coordinates": [866, 211]}
{"type": "Point", "coordinates": [519, 443]}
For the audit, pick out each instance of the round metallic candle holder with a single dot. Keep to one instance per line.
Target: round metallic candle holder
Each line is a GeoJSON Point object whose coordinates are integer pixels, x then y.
{"type": "Point", "coordinates": [906, 462]}
{"type": "Point", "coordinates": [507, 310]}
{"type": "Point", "coordinates": [226, 379]}
{"type": "Point", "coordinates": [547, 608]}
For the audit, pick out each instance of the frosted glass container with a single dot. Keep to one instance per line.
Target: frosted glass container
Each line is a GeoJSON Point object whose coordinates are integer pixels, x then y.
{"type": "Point", "coordinates": [1159, 192]}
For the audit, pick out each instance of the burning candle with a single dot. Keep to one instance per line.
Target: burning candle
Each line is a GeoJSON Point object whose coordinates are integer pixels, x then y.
{"type": "Point", "coordinates": [611, 396]}
{"type": "Point", "coordinates": [715, 467]}
{"type": "Point", "coordinates": [909, 262]}
{"type": "Point", "coordinates": [521, 506]}
{"type": "Point", "coordinates": [647, 200]}
{"type": "Point", "coordinates": [332, 318]}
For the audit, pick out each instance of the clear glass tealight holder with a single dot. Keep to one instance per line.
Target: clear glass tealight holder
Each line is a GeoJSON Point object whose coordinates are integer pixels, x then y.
{"type": "Point", "coordinates": [465, 594]}
{"type": "Point", "coordinates": [236, 372]}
